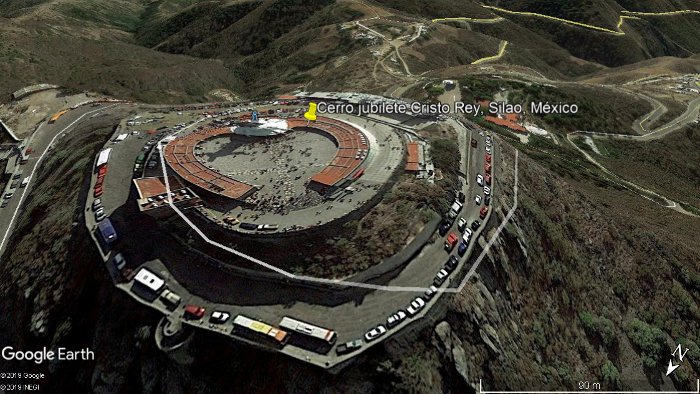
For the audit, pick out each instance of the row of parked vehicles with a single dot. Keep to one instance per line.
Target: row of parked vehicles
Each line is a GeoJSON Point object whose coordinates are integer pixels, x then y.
{"type": "Point", "coordinates": [15, 182]}
{"type": "Point", "coordinates": [414, 307]}
{"type": "Point", "coordinates": [452, 239]}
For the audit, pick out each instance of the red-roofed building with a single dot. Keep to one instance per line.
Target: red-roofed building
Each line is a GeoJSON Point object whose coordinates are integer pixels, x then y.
{"type": "Point", "coordinates": [414, 157]}
{"type": "Point", "coordinates": [506, 123]}
{"type": "Point", "coordinates": [153, 196]}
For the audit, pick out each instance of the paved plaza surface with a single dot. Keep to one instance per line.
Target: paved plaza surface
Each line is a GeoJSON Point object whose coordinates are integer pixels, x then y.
{"type": "Point", "coordinates": [281, 167]}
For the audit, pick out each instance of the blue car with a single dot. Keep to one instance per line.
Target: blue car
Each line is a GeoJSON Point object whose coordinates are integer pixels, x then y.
{"type": "Point", "coordinates": [462, 248]}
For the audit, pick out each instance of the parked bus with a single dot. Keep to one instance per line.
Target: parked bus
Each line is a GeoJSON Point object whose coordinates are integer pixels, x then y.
{"type": "Point", "coordinates": [327, 336]}
{"type": "Point", "coordinates": [149, 281]}
{"type": "Point", "coordinates": [107, 231]}
{"type": "Point", "coordinates": [247, 327]}
{"type": "Point", "coordinates": [57, 115]}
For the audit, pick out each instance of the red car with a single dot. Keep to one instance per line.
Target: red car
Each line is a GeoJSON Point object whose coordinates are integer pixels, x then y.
{"type": "Point", "coordinates": [483, 212]}
{"type": "Point", "coordinates": [100, 180]}
{"type": "Point", "coordinates": [451, 241]}
{"type": "Point", "coordinates": [98, 192]}
{"type": "Point", "coordinates": [194, 312]}
{"type": "Point", "coordinates": [102, 171]}
{"type": "Point", "coordinates": [487, 168]}
{"type": "Point", "coordinates": [487, 158]}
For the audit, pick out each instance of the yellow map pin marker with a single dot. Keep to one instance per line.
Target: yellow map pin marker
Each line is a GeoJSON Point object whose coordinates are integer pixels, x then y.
{"type": "Point", "coordinates": [311, 113]}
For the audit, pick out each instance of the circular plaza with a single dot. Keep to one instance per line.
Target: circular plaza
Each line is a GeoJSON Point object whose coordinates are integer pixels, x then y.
{"type": "Point", "coordinates": [277, 175]}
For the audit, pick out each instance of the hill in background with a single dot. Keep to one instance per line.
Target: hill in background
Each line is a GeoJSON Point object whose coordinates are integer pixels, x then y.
{"type": "Point", "coordinates": [182, 50]}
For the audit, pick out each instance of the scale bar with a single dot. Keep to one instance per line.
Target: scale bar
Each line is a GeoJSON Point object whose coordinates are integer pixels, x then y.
{"type": "Point", "coordinates": [482, 391]}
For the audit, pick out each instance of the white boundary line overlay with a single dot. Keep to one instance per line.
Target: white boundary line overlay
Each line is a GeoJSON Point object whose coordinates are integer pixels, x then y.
{"type": "Point", "coordinates": [334, 281]}
{"type": "Point", "coordinates": [36, 166]}
{"type": "Point", "coordinates": [697, 391]}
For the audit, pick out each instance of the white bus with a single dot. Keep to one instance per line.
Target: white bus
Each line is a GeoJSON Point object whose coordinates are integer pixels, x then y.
{"type": "Point", "coordinates": [149, 280]}
{"type": "Point", "coordinates": [328, 336]}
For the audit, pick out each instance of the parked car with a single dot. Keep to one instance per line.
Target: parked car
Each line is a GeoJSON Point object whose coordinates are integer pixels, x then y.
{"type": "Point", "coordinates": [479, 180]}
{"type": "Point", "coordinates": [118, 261]}
{"type": "Point", "coordinates": [9, 195]}
{"type": "Point", "coordinates": [440, 277]}
{"type": "Point", "coordinates": [415, 306]}
{"type": "Point", "coordinates": [450, 242]}
{"type": "Point", "coordinates": [462, 248]}
{"type": "Point", "coordinates": [487, 168]}
{"type": "Point", "coordinates": [487, 190]}
{"type": "Point", "coordinates": [375, 333]}
{"type": "Point", "coordinates": [487, 179]}
{"type": "Point", "coordinates": [219, 317]}
{"type": "Point", "coordinates": [477, 199]}
{"type": "Point", "coordinates": [96, 203]}
{"type": "Point", "coordinates": [430, 293]}
{"type": "Point", "coordinates": [461, 197]}
{"type": "Point", "coordinates": [451, 263]}
{"type": "Point", "coordinates": [488, 149]}
{"type": "Point", "coordinates": [487, 201]}
{"type": "Point", "coordinates": [194, 312]}
{"type": "Point", "coordinates": [474, 143]}
{"type": "Point", "coordinates": [102, 171]}
{"type": "Point", "coordinates": [171, 299]}
{"type": "Point", "coordinates": [482, 213]}
{"type": "Point", "coordinates": [99, 214]}
{"type": "Point", "coordinates": [25, 181]}
{"type": "Point", "coordinates": [348, 347]}
{"type": "Point", "coordinates": [444, 227]}
{"type": "Point", "coordinates": [396, 319]}
{"type": "Point", "coordinates": [467, 234]}
{"type": "Point", "coordinates": [475, 225]}
{"type": "Point", "coordinates": [97, 192]}
{"type": "Point", "coordinates": [462, 224]}
{"type": "Point", "coordinates": [487, 158]}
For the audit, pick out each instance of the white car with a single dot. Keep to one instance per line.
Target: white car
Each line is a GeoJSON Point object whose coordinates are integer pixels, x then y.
{"type": "Point", "coordinates": [440, 277]}
{"type": "Point", "coordinates": [488, 149]}
{"type": "Point", "coordinates": [395, 319]}
{"type": "Point", "coordinates": [479, 179]}
{"type": "Point", "coordinates": [467, 235]}
{"type": "Point", "coordinates": [416, 306]}
{"type": "Point", "coordinates": [430, 292]}
{"type": "Point", "coordinates": [487, 190]}
{"type": "Point", "coordinates": [99, 214]}
{"type": "Point", "coordinates": [375, 333]}
{"type": "Point", "coordinates": [477, 199]}
{"type": "Point", "coordinates": [219, 317]}
{"type": "Point", "coordinates": [462, 224]}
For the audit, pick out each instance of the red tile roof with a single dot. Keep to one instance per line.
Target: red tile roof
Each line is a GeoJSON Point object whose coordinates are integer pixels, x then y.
{"type": "Point", "coordinates": [506, 123]}
{"type": "Point", "coordinates": [413, 159]}
{"type": "Point", "coordinates": [179, 154]}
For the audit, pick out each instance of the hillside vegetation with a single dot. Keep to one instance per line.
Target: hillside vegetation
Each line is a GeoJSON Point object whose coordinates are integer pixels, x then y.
{"type": "Point", "coordinates": [262, 47]}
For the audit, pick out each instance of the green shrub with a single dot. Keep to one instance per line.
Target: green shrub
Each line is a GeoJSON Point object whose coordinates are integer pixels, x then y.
{"type": "Point", "coordinates": [649, 339]}
{"type": "Point", "coordinates": [610, 374]}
